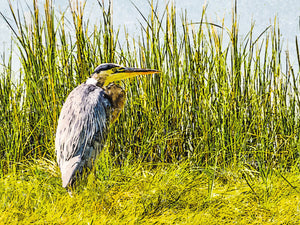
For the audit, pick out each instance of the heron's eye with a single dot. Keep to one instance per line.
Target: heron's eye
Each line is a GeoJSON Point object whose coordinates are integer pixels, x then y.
{"type": "Point", "coordinates": [114, 70]}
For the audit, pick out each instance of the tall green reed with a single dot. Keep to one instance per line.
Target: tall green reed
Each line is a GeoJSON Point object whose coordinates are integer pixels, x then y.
{"type": "Point", "coordinates": [214, 103]}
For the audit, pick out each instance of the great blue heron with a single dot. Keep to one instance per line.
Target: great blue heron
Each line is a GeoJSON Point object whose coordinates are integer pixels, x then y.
{"type": "Point", "coordinates": [85, 117]}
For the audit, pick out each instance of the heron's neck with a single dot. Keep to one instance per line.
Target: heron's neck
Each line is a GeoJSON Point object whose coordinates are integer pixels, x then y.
{"type": "Point", "coordinates": [91, 80]}
{"type": "Point", "coordinates": [97, 79]}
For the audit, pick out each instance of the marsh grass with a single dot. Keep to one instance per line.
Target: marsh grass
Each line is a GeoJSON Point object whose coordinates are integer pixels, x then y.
{"type": "Point", "coordinates": [214, 102]}
{"type": "Point", "coordinates": [134, 194]}
{"type": "Point", "coordinates": [211, 138]}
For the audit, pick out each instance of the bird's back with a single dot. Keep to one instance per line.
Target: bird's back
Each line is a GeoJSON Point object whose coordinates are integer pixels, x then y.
{"type": "Point", "coordinates": [82, 129]}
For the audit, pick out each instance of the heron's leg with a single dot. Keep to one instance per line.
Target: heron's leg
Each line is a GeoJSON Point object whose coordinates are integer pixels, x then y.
{"type": "Point", "coordinates": [70, 192]}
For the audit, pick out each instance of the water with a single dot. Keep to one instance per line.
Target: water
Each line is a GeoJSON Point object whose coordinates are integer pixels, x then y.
{"type": "Point", "coordinates": [262, 13]}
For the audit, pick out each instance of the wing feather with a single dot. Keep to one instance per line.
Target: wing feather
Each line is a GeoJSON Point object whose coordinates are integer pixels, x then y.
{"type": "Point", "coordinates": [83, 121]}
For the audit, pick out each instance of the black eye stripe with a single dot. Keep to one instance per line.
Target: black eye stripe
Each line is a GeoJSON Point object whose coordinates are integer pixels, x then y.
{"type": "Point", "coordinates": [106, 66]}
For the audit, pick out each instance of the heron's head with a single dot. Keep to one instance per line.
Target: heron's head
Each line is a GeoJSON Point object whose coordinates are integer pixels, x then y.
{"type": "Point", "coordinates": [110, 72]}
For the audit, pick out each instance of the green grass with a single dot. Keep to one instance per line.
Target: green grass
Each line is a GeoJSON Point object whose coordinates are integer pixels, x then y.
{"type": "Point", "coordinates": [213, 138]}
{"type": "Point", "coordinates": [135, 194]}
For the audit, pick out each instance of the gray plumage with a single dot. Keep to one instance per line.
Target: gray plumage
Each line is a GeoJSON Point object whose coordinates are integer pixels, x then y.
{"type": "Point", "coordinates": [85, 117]}
{"type": "Point", "coordinates": [81, 131]}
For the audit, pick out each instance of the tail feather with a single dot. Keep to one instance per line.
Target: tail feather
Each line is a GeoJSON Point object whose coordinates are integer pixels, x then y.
{"type": "Point", "coordinates": [68, 170]}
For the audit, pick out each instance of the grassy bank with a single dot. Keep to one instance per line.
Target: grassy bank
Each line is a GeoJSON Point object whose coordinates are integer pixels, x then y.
{"type": "Point", "coordinates": [214, 137]}
{"type": "Point", "coordinates": [134, 194]}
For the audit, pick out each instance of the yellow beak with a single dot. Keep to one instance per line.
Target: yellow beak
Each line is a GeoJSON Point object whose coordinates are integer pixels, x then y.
{"type": "Point", "coordinates": [127, 72]}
